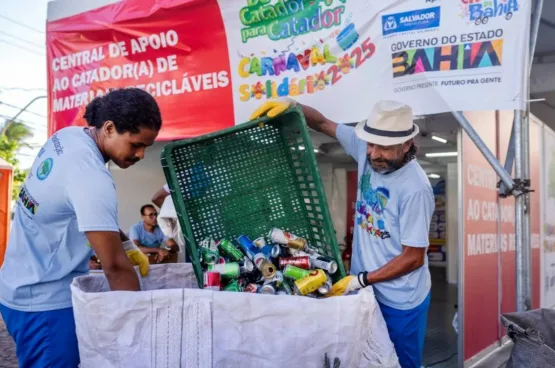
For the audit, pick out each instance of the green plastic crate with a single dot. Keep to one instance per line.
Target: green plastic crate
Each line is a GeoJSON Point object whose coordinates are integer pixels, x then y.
{"type": "Point", "coordinates": [248, 179]}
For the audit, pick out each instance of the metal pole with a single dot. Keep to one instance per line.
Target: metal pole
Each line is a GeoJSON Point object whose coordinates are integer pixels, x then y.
{"type": "Point", "coordinates": [490, 157]}
{"type": "Point", "coordinates": [9, 122]}
{"type": "Point", "coordinates": [519, 219]}
{"type": "Point", "coordinates": [525, 273]}
{"type": "Point", "coordinates": [510, 158]}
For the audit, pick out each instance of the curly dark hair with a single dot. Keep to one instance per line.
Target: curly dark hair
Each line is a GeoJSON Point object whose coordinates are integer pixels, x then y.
{"type": "Point", "coordinates": [143, 208]}
{"type": "Point", "coordinates": [411, 153]}
{"type": "Point", "coordinates": [129, 108]}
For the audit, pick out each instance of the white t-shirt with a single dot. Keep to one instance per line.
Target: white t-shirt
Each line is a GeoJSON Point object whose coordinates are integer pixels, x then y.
{"type": "Point", "coordinates": [68, 191]}
{"type": "Point", "coordinates": [392, 210]}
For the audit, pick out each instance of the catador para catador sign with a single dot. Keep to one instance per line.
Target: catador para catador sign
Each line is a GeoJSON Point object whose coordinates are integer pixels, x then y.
{"type": "Point", "coordinates": [210, 63]}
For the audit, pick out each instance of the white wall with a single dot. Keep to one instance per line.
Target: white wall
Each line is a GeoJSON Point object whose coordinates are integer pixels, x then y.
{"type": "Point", "coordinates": [136, 185]}
{"type": "Point", "coordinates": [334, 180]}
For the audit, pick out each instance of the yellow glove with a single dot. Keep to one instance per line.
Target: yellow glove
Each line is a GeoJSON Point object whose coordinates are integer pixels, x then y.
{"type": "Point", "coordinates": [345, 286]}
{"type": "Point", "coordinates": [272, 108]}
{"type": "Point", "coordinates": [136, 257]}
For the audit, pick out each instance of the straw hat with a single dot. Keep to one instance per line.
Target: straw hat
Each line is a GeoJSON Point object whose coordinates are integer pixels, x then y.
{"type": "Point", "coordinates": [389, 123]}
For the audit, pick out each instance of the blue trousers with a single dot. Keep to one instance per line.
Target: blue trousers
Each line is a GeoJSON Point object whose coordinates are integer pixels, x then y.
{"type": "Point", "coordinates": [43, 339]}
{"type": "Point", "coordinates": [407, 330]}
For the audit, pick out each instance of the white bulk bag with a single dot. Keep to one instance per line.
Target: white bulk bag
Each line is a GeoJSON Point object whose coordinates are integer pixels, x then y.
{"type": "Point", "coordinates": [171, 323]}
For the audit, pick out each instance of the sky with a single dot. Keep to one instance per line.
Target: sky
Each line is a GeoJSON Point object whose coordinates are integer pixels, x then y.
{"type": "Point", "coordinates": [23, 68]}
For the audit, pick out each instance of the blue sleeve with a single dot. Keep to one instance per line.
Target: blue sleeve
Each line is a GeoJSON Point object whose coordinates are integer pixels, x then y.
{"type": "Point", "coordinates": [349, 141]}
{"type": "Point", "coordinates": [415, 216]}
{"type": "Point", "coordinates": [134, 233]}
{"type": "Point", "coordinates": [92, 194]}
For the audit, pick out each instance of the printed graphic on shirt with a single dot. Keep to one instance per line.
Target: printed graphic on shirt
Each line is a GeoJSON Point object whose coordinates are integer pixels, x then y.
{"type": "Point", "coordinates": [45, 168]}
{"type": "Point", "coordinates": [370, 207]}
{"type": "Point", "coordinates": [28, 202]}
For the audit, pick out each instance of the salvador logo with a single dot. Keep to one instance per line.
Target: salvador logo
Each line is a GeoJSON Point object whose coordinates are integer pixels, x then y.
{"type": "Point", "coordinates": [45, 168]}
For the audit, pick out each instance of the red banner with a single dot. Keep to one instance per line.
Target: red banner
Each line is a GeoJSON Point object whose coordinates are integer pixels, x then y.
{"type": "Point", "coordinates": [489, 232]}
{"type": "Point", "coordinates": [481, 272]}
{"type": "Point", "coordinates": [151, 45]}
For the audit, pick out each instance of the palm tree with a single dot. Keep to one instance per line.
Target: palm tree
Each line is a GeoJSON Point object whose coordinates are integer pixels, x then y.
{"type": "Point", "coordinates": [14, 138]}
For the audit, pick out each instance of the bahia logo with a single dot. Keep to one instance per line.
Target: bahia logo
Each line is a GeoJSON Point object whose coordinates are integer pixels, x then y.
{"type": "Point", "coordinates": [413, 20]}
{"type": "Point", "coordinates": [480, 11]}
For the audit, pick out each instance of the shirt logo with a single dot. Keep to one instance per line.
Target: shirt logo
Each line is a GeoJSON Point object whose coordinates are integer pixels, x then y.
{"type": "Point", "coordinates": [45, 168]}
{"type": "Point", "coordinates": [30, 204]}
{"type": "Point", "coordinates": [370, 207]}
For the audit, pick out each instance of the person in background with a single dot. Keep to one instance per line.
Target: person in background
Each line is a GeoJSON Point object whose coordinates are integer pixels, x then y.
{"type": "Point", "coordinates": [159, 197]}
{"type": "Point", "coordinates": [395, 203]}
{"type": "Point", "coordinates": [148, 236]}
{"type": "Point", "coordinates": [68, 201]}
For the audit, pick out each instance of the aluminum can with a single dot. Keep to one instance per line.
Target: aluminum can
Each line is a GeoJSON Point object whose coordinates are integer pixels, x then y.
{"type": "Point", "coordinates": [301, 262]}
{"type": "Point", "coordinates": [267, 251]}
{"type": "Point", "coordinates": [233, 286]}
{"type": "Point", "coordinates": [228, 249]}
{"type": "Point", "coordinates": [209, 243]}
{"type": "Point", "coordinates": [278, 251]}
{"type": "Point", "coordinates": [227, 271]}
{"type": "Point", "coordinates": [278, 278]}
{"type": "Point", "coordinates": [326, 288]}
{"type": "Point", "coordinates": [311, 283]}
{"type": "Point", "coordinates": [246, 266]}
{"type": "Point", "coordinates": [209, 256]}
{"type": "Point", "coordinates": [286, 287]}
{"type": "Point", "coordinates": [291, 240]}
{"type": "Point", "coordinates": [251, 288]}
{"type": "Point", "coordinates": [247, 246]}
{"type": "Point", "coordinates": [212, 281]}
{"type": "Point", "coordinates": [295, 273]}
{"type": "Point", "coordinates": [260, 242]}
{"type": "Point", "coordinates": [268, 288]}
{"type": "Point", "coordinates": [266, 267]}
{"type": "Point", "coordinates": [323, 262]}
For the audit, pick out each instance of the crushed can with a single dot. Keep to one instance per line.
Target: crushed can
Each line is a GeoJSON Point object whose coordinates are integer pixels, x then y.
{"type": "Point", "coordinates": [227, 271]}
{"type": "Point", "coordinates": [311, 283]}
{"type": "Point", "coordinates": [286, 287]}
{"type": "Point", "coordinates": [278, 278]}
{"type": "Point", "coordinates": [233, 286]}
{"type": "Point", "coordinates": [267, 251]}
{"type": "Point", "coordinates": [326, 288]}
{"type": "Point", "coordinates": [209, 256]}
{"type": "Point", "coordinates": [259, 243]}
{"type": "Point", "coordinates": [323, 262]}
{"type": "Point", "coordinates": [247, 246]}
{"type": "Point", "coordinates": [230, 251]}
{"type": "Point", "coordinates": [295, 273]}
{"type": "Point", "coordinates": [279, 251]}
{"type": "Point", "coordinates": [212, 281]}
{"type": "Point", "coordinates": [266, 267]}
{"type": "Point", "coordinates": [300, 262]}
{"type": "Point", "coordinates": [251, 288]}
{"type": "Point", "coordinates": [290, 240]}
{"type": "Point", "coordinates": [246, 266]}
{"type": "Point", "coordinates": [268, 288]}
{"type": "Point", "coordinates": [209, 243]}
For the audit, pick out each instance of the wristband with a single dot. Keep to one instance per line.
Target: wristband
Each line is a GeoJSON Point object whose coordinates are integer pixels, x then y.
{"type": "Point", "coordinates": [363, 279]}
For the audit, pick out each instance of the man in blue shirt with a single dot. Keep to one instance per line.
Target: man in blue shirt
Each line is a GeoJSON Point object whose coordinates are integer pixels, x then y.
{"type": "Point", "coordinates": [68, 200]}
{"type": "Point", "coordinates": [395, 204]}
{"type": "Point", "coordinates": [148, 236]}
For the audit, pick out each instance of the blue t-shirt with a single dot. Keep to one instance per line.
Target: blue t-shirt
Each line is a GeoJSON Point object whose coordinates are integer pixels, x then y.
{"type": "Point", "coordinates": [392, 210]}
{"type": "Point", "coordinates": [153, 239]}
{"type": "Point", "coordinates": [68, 191]}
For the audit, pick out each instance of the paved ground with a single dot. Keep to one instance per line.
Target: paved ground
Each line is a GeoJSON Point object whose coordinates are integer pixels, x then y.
{"type": "Point", "coordinates": [7, 348]}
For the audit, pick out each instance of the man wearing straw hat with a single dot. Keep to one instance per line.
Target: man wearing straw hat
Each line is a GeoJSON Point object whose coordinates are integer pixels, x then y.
{"type": "Point", "coordinates": [395, 203]}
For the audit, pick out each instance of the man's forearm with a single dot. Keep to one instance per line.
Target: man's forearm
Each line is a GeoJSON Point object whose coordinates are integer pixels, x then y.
{"type": "Point", "coordinates": [317, 121]}
{"type": "Point", "coordinates": [122, 277]}
{"type": "Point", "coordinates": [122, 236]}
{"type": "Point", "coordinates": [397, 267]}
{"type": "Point", "coordinates": [147, 250]}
